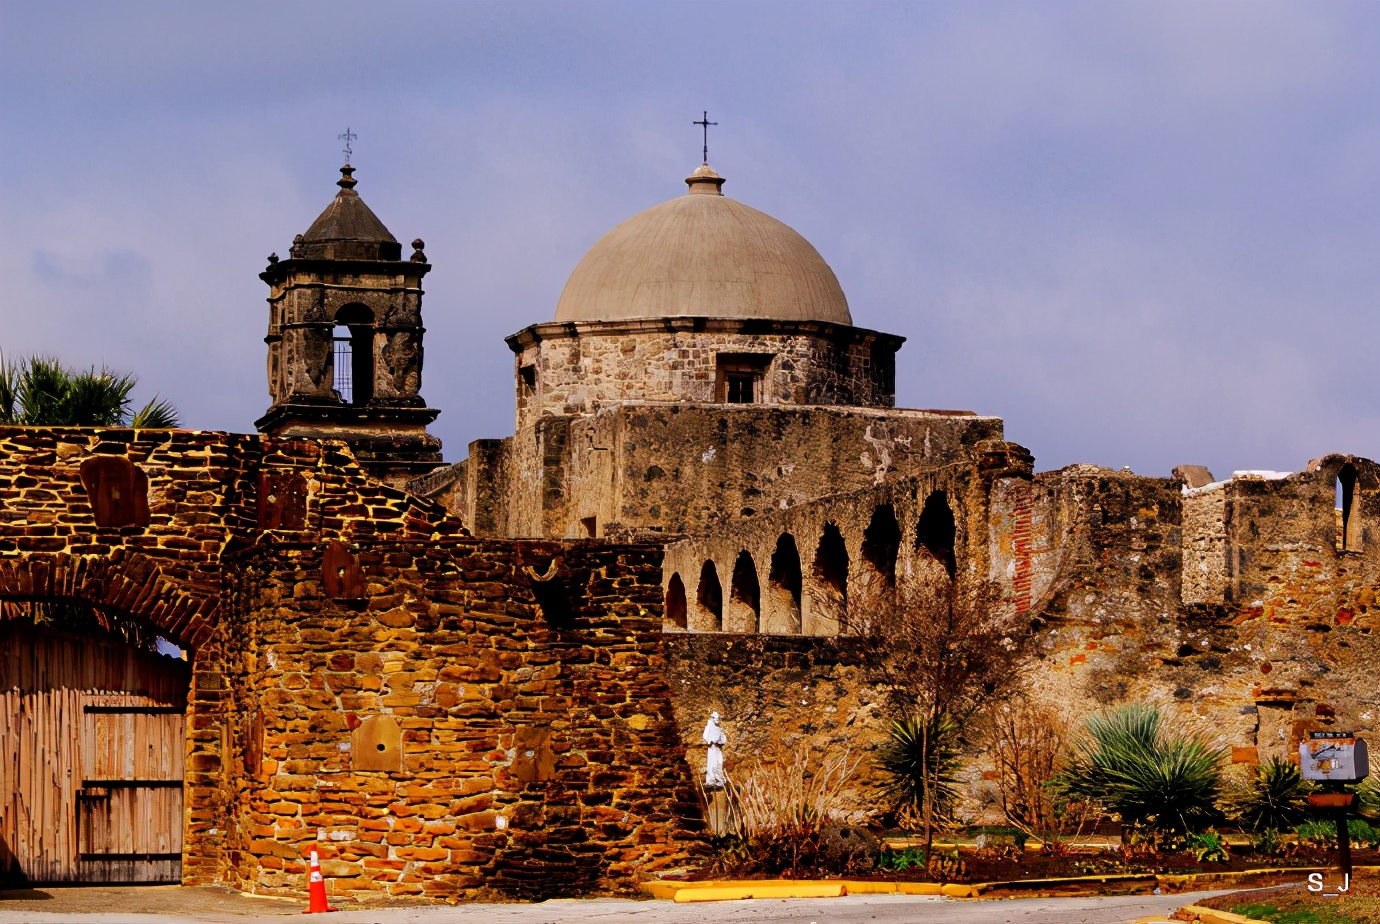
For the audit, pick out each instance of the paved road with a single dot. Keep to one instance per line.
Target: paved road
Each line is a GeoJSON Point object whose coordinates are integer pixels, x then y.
{"type": "Point", "coordinates": [174, 905]}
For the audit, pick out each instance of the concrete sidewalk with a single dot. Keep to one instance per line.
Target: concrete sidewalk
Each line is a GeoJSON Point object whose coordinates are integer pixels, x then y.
{"type": "Point", "coordinates": [178, 905]}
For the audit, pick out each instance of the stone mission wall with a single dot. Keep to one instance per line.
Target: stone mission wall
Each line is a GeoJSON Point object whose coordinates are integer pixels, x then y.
{"type": "Point", "coordinates": [529, 742]}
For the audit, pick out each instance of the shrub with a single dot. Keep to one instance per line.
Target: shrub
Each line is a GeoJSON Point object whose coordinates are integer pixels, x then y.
{"type": "Point", "coordinates": [1152, 780]}
{"type": "Point", "coordinates": [1318, 834]}
{"type": "Point", "coordinates": [901, 860]}
{"type": "Point", "coordinates": [1276, 797]}
{"type": "Point", "coordinates": [787, 819]}
{"type": "Point", "coordinates": [1208, 847]}
{"type": "Point", "coordinates": [1027, 741]}
{"type": "Point", "coordinates": [922, 757]}
{"type": "Point", "coordinates": [1267, 843]}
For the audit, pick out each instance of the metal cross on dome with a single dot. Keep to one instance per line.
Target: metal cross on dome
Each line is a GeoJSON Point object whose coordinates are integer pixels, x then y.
{"type": "Point", "coordinates": [704, 121]}
{"type": "Point", "coordinates": [347, 138]}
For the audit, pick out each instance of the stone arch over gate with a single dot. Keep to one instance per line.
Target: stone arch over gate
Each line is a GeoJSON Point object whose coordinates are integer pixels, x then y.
{"type": "Point", "coordinates": [130, 583]}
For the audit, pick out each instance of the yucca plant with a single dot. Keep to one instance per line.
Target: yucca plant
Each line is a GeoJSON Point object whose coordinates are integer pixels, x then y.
{"type": "Point", "coordinates": [920, 760]}
{"type": "Point", "coordinates": [1276, 798]}
{"type": "Point", "coordinates": [1151, 779]}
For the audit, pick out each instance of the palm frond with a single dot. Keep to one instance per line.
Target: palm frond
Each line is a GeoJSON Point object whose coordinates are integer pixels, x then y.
{"type": "Point", "coordinates": [158, 414]}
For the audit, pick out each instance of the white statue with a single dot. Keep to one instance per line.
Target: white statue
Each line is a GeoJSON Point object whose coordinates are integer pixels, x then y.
{"type": "Point", "coordinates": [714, 766]}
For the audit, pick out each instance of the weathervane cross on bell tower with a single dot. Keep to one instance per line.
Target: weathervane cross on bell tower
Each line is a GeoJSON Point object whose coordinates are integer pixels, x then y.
{"type": "Point", "coordinates": [351, 136]}
{"type": "Point", "coordinates": [705, 123]}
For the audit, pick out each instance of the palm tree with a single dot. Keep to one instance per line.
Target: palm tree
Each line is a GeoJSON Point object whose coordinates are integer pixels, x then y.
{"type": "Point", "coordinates": [41, 392]}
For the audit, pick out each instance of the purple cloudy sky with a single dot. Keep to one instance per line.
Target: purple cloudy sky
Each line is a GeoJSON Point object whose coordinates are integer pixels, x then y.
{"type": "Point", "coordinates": [1142, 233]}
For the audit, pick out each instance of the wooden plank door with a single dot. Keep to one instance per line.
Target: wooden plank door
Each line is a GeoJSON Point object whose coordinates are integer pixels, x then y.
{"type": "Point", "coordinates": [129, 807]}
{"type": "Point", "coordinates": [91, 753]}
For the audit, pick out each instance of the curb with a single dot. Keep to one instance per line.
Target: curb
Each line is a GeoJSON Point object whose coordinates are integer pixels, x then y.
{"type": "Point", "coordinates": [1110, 884]}
{"type": "Point", "coordinates": [1213, 916]}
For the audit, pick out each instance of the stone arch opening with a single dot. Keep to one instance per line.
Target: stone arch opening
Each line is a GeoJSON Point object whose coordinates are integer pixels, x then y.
{"type": "Point", "coordinates": [352, 358]}
{"type": "Point", "coordinates": [745, 596]}
{"type": "Point", "coordinates": [1348, 514]}
{"type": "Point", "coordinates": [94, 695]}
{"type": "Point", "coordinates": [675, 615]}
{"type": "Point", "coordinates": [784, 583]}
{"type": "Point", "coordinates": [710, 599]}
{"type": "Point", "coordinates": [935, 533]}
{"type": "Point", "coordinates": [829, 601]}
{"type": "Point", "coordinates": [882, 543]}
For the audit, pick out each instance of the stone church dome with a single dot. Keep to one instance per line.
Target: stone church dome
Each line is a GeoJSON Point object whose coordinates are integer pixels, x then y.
{"type": "Point", "coordinates": [703, 255]}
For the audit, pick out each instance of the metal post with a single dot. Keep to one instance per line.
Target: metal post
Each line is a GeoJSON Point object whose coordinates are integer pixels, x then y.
{"type": "Point", "coordinates": [1343, 844]}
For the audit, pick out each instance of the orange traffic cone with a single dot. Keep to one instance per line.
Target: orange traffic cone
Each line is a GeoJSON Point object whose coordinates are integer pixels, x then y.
{"type": "Point", "coordinates": [316, 889]}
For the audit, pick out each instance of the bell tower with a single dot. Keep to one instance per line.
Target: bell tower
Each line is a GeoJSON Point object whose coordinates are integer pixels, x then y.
{"type": "Point", "coordinates": [345, 340]}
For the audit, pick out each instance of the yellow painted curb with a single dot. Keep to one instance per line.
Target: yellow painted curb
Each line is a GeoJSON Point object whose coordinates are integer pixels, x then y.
{"type": "Point", "coordinates": [859, 887]}
{"type": "Point", "coordinates": [1213, 916]}
{"type": "Point", "coordinates": [918, 888]}
{"type": "Point", "coordinates": [761, 890]}
{"type": "Point", "coordinates": [959, 890]}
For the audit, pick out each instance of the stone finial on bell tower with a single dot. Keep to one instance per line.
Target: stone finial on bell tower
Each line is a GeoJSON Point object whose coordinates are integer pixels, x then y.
{"type": "Point", "coordinates": [345, 340]}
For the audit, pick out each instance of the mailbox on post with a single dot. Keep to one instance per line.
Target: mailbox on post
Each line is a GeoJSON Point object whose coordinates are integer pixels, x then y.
{"type": "Point", "coordinates": [1334, 757]}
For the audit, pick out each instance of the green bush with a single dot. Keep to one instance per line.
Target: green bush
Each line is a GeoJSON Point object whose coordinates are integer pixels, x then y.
{"type": "Point", "coordinates": [1208, 847]}
{"type": "Point", "coordinates": [901, 860]}
{"type": "Point", "coordinates": [1268, 843]}
{"type": "Point", "coordinates": [1275, 798]}
{"type": "Point", "coordinates": [1317, 833]}
{"type": "Point", "coordinates": [1363, 833]}
{"type": "Point", "coordinates": [1151, 779]}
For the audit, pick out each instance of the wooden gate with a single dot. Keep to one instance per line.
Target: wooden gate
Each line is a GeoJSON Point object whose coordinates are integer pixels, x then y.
{"type": "Point", "coordinates": [91, 752]}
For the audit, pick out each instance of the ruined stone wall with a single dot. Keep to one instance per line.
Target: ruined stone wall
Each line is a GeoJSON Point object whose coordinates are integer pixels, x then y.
{"type": "Point", "coordinates": [748, 553]}
{"type": "Point", "coordinates": [669, 469]}
{"type": "Point", "coordinates": [1206, 571]}
{"type": "Point", "coordinates": [576, 367]}
{"type": "Point", "coordinates": [778, 697]}
{"type": "Point", "coordinates": [1275, 640]}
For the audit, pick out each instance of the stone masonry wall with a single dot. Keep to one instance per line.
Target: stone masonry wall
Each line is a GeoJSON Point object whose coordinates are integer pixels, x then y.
{"type": "Point", "coordinates": [538, 753]}
{"type": "Point", "coordinates": [521, 680]}
{"type": "Point", "coordinates": [575, 368]}
{"type": "Point", "coordinates": [666, 469]}
{"type": "Point", "coordinates": [1253, 652]}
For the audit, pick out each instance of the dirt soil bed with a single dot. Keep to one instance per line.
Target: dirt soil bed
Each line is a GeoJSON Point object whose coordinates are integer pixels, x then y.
{"type": "Point", "coordinates": [1297, 905]}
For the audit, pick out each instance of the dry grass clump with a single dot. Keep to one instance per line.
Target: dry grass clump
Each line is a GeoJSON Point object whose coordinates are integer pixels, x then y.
{"type": "Point", "coordinates": [787, 818]}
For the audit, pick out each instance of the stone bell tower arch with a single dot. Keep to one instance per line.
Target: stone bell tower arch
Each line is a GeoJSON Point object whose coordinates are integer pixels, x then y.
{"type": "Point", "coordinates": [345, 340]}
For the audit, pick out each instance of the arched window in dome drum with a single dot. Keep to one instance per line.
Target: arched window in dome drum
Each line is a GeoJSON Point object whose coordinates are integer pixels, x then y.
{"type": "Point", "coordinates": [353, 354]}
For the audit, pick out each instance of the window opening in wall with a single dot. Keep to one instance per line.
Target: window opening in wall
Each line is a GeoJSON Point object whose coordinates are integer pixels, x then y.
{"type": "Point", "coordinates": [745, 596]}
{"type": "Point", "coordinates": [527, 381]}
{"type": "Point", "coordinates": [831, 573]}
{"type": "Point", "coordinates": [785, 582]}
{"type": "Point", "coordinates": [710, 597]}
{"type": "Point", "coordinates": [1348, 510]}
{"type": "Point", "coordinates": [882, 542]}
{"type": "Point", "coordinates": [344, 363]}
{"type": "Point", "coordinates": [675, 603]}
{"type": "Point", "coordinates": [353, 354]}
{"type": "Point", "coordinates": [591, 525]}
{"type": "Point", "coordinates": [739, 377]}
{"type": "Point", "coordinates": [935, 532]}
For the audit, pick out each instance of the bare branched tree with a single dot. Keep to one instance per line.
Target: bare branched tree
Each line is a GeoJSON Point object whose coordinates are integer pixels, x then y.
{"type": "Point", "coordinates": [940, 649]}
